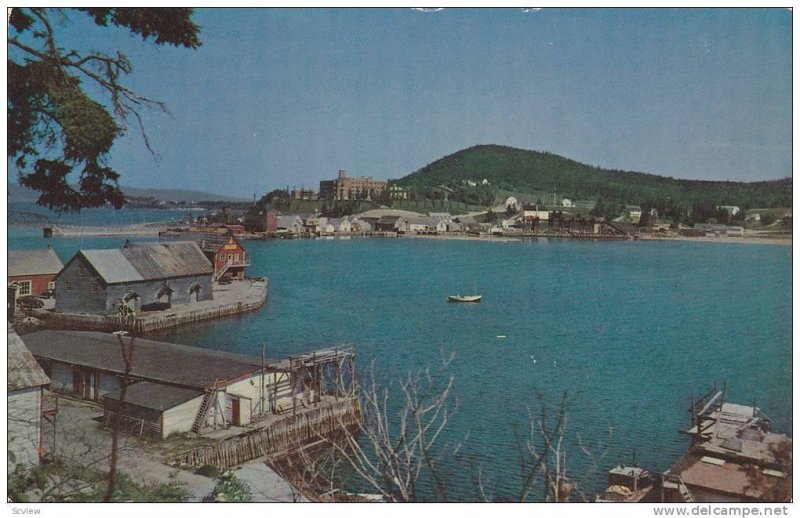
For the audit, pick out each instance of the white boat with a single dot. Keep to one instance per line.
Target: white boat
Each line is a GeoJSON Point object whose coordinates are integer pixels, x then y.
{"type": "Point", "coordinates": [463, 298]}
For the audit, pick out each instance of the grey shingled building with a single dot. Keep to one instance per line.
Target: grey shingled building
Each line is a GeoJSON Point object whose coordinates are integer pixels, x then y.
{"type": "Point", "coordinates": [95, 281]}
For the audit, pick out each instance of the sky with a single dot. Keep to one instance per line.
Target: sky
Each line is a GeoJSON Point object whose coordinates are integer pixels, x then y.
{"type": "Point", "coordinates": [286, 97]}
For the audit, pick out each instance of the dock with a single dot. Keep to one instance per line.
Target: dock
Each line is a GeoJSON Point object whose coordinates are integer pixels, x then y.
{"type": "Point", "coordinates": [275, 435]}
{"type": "Point", "coordinates": [138, 230]}
{"type": "Point", "coordinates": [235, 298]}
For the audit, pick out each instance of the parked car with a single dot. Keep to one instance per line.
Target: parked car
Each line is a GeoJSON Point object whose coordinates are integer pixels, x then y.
{"type": "Point", "coordinates": [29, 302]}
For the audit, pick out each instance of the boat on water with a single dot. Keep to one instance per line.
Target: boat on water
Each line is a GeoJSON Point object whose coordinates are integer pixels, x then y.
{"type": "Point", "coordinates": [463, 298]}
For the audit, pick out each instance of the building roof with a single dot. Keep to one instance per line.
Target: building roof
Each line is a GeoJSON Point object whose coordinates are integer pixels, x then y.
{"type": "Point", "coordinates": [143, 262]}
{"type": "Point", "coordinates": [112, 266]}
{"type": "Point", "coordinates": [155, 395]}
{"type": "Point", "coordinates": [212, 242]}
{"type": "Point", "coordinates": [182, 365]}
{"type": "Point", "coordinates": [23, 370]}
{"type": "Point", "coordinates": [731, 478]}
{"type": "Point", "coordinates": [41, 261]}
{"type": "Point", "coordinates": [165, 260]}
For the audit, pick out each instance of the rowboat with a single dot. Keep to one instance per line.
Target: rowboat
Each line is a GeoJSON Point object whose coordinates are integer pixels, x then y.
{"type": "Point", "coordinates": [463, 298]}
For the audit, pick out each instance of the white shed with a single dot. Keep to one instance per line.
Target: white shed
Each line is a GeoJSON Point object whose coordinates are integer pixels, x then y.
{"type": "Point", "coordinates": [26, 382]}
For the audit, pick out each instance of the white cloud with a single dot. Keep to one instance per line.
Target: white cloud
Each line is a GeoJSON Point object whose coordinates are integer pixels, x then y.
{"type": "Point", "coordinates": [531, 9]}
{"type": "Point", "coordinates": [427, 9]}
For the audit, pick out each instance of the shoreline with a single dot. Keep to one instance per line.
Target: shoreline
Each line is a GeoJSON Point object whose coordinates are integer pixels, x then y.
{"type": "Point", "coordinates": [749, 240]}
{"type": "Point", "coordinates": [153, 229]}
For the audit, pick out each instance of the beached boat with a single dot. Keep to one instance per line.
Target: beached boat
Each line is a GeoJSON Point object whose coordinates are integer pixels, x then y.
{"type": "Point", "coordinates": [463, 298]}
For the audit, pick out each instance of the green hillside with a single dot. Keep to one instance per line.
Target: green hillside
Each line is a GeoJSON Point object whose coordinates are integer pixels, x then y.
{"type": "Point", "coordinates": [534, 172]}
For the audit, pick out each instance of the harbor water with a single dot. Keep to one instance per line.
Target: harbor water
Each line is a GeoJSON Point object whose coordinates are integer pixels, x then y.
{"type": "Point", "coordinates": [628, 330]}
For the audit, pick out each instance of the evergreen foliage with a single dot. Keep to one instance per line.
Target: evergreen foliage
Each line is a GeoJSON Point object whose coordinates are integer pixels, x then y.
{"type": "Point", "coordinates": [59, 136]}
{"type": "Point", "coordinates": [533, 171]}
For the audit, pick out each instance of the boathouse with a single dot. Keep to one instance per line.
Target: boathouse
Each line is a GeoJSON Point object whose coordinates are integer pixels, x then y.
{"type": "Point", "coordinates": [171, 388]}
{"type": "Point", "coordinates": [174, 388]}
{"type": "Point", "coordinates": [734, 456]}
{"type": "Point", "coordinates": [226, 254]}
{"type": "Point", "coordinates": [139, 276]}
{"type": "Point", "coordinates": [34, 271]}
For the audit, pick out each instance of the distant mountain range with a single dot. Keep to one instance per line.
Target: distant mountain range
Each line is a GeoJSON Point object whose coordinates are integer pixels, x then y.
{"type": "Point", "coordinates": [20, 194]}
{"type": "Point", "coordinates": [523, 171]}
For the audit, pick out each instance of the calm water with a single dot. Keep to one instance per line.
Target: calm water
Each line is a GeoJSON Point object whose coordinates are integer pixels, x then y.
{"type": "Point", "coordinates": [628, 330]}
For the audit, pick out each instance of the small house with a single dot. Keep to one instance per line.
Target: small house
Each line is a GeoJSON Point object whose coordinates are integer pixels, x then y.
{"type": "Point", "coordinates": [289, 225]}
{"type": "Point", "coordinates": [25, 390]}
{"type": "Point", "coordinates": [34, 271]}
{"type": "Point", "coordinates": [391, 224]}
{"type": "Point", "coordinates": [171, 388]}
{"type": "Point", "coordinates": [227, 255]}
{"type": "Point", "coordinates": [136, 275]}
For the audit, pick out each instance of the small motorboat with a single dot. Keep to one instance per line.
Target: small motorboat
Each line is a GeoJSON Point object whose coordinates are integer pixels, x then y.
{"type": "Point", "coordinates": [463, 298]}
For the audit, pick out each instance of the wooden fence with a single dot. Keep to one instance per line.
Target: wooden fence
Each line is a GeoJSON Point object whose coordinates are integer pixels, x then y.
{"type": "Point", "coordinates": [291, 432]}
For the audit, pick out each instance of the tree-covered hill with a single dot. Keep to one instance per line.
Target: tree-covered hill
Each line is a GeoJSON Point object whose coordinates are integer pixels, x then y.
{"type": "Point", "coordinates": [524, 171]}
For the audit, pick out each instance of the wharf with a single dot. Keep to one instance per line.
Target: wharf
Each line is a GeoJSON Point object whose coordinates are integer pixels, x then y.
{"type": "Point", "coordinates": [274, 435]}
{"type": "Point", "coordinates": [230, 299]}
{"type": "Point", "coordinates": [141, 230]}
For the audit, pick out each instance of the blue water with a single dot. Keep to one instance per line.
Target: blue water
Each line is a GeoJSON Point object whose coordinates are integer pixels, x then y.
{"type": "Point", "coordinates": [628, 329]}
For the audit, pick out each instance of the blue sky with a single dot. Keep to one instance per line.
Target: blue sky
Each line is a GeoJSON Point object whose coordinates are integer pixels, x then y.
{"type": "Point", "coordinates": [278, 98]}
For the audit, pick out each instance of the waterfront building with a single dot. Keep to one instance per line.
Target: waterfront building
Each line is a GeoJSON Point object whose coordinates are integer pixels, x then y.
{"type": "Point", "coordinates": [351, 188]}
{"type": "Point", "coordinates": [341, 225]}
{"type": "Point", "coordinates": [289, 225]}
{"type": "Point", "coordinates": [169, 386]}
{"type": "Point", "coordinates": [261, 221]}
{"type": "Point", "coordinates": [227, 255]}
{"type": "Point", "coordinates": [172, 388]}
{"type": "Point", "coordinates": [734, 456]}
{"type": "Point", "coordinates": [33, 271]}
{"type": "Point", "coordinates": [136, 275]}
{"type": "Point", "coordinates": [25, 391]}
{"type": "Point", "coordinates": [359, 225]}
{"type": "Point", "coordinates": [391, 224]}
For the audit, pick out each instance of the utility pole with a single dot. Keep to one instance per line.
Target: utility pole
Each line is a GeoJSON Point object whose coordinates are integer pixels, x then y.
{"type": "Point", "coordinates": [263, 352]}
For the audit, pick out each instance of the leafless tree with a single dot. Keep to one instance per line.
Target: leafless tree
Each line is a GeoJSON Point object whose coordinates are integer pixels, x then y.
{"type": "Point", "coordinates": [394, 453]}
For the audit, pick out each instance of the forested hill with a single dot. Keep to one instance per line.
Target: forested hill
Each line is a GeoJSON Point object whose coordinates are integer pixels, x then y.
{"type": "Point", "coordinates": [523, 171]}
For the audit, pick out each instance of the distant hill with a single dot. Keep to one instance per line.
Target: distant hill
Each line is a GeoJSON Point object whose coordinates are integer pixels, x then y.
{"type": "Point", "coordinates": [523, 171]}
{"type": "Point", "coordinates": [20, 194]}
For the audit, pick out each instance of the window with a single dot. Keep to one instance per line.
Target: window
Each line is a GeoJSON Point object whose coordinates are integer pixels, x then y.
{"type": "Point", "coordinates": [81, 269]}
{"type": "Point", "coordinates": [68, 285]}
{"type": "Point", "coordinates": [51, 285]}
{"type": "Point", "coordinates": [24, 288]}
{"type": "Point", "coordinates": [95, 287]}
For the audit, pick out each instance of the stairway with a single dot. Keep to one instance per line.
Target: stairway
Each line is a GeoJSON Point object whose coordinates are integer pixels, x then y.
{"type": "Point", "coordinates": [208, 401]}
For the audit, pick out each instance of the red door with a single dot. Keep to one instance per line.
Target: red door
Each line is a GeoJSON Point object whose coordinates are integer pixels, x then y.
{"type": "Point", "coordinates": [235, 420]}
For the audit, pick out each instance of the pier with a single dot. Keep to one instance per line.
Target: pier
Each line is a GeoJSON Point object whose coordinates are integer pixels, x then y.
{"type": "Point", "coordinates": [276, 435]}
{"type": "Point", "coordinates": [231, 299]}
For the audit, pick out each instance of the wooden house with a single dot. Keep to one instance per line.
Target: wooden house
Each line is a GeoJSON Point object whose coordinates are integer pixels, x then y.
{"type": "Point", "coordinates": [391, 224]}
{"type": "Point", "coordinates": [25, 387]}
{"type": "Point", "coordinates": [137, 275]}
{"type": "Point", "coordinates": [226, 254]}
{"type": "Point", "coordinates": [174, 388]}
{"type": "Point", "coordinates": [34, 271]}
